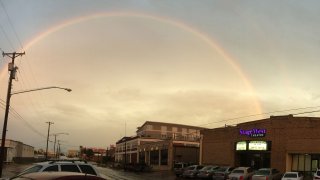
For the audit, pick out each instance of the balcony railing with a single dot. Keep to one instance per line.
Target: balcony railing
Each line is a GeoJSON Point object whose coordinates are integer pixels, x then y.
{"type": "Point", "coordinates": [176, 137]}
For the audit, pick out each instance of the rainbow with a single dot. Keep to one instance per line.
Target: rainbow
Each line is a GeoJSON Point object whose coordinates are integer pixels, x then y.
{"type": "Point", "coordinates": [209, 40]}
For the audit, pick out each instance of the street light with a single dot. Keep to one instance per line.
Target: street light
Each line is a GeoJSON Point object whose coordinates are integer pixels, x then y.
{"type": "Point", "coordinates": [9, 94]}
{"type": "Point", "coordinates": [43, 88]}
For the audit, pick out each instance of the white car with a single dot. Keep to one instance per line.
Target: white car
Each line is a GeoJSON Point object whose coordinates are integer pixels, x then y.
{"type": "Point", "coordinates": [316, 175]}
{"type": "Point", "coordinates": [267, 174]}
{"type": "Point", "coordinates": [241, 173]}
{"type": "Point", "coordinates": [62, 165]}
{"type": "Point", "coordinates": [292, 176]}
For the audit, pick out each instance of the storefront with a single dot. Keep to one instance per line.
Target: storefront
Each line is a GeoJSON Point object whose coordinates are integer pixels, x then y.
{"type": "Point", "coordinates": [286, 143]}
{"type": "Point", "coordinates": [255, 154]}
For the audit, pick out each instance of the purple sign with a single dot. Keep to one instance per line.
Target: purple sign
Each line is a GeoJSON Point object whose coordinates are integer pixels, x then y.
{"type": "Point", "coordinates": [253, 132]}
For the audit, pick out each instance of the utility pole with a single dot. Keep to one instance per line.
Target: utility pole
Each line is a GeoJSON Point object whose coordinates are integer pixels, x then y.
{"type": "Point", "coordinates": [58, 149]}
{"type": "Point", "coordinates": [54, 145]}
{"type": "Point", "coordinates": [48, 138]}
{"type": "Point", "coordinates": [12, 70]}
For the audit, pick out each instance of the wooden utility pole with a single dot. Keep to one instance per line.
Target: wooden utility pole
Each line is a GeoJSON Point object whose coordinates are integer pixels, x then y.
{"type": "Point", "coordinates": [12, 70]}
{"type": "Point", "coordinates": [48, 138]}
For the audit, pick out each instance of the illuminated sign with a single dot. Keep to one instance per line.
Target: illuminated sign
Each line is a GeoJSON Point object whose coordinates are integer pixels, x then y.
{"type": "Point", "coordinates": [241, 146]}
{"type": "Point", "coordinates": [258, 145]}
{"type": "Point", "coordinates": [254, 132]}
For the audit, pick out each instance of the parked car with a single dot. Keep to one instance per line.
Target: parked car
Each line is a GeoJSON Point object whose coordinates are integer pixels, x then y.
{"type": "Point", "coordinates": [241, 173]}
{"type": "Point", "coordinates": [138, 167]}
{"type": "Point", "coordinates": [222, 173]}
{"type": "Point", "coordinates": [316, 175]}
{"type": "Point", "coordinates": [292, 176]}
{"type": "Point", "coordinates": [62, 165]}
{"type": "Point", "coordinates": [207, 171]}
{"type": "Point", "coordinates": [178, 168]}
{"type": "Point", "coordinates": [191, 171]}
{"type": "Point", "coordinates": [57, 176]}
{"type": "Point", "coordinates": [267, 174]}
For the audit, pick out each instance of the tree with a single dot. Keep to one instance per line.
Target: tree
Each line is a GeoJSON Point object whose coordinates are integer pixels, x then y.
{"type": "Point", "coordinates": [89, 153]}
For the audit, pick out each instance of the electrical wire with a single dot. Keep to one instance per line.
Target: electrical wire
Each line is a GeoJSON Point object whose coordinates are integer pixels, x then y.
{"type": "Point", "coordinates": [7, 37]}
{"type": "Point", "coordinates": [18, 116]}
{"type": "Point", "coordinates": [31, 101]}
{"type": "Point", "coordinates": [21, 45]}
{"type": "Point", "coordinates": [11, 24]}
{"type": "Point", "coordinates": [267, 113]}
{"type": "Point", "coordinates": [307, 112]}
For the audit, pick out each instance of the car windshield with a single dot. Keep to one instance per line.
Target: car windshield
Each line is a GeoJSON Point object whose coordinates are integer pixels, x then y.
{"type": "Point", "coordinates": [318, 173]}
{"type": "Point", "coordinates": [290, 175]}
{"type": "Point", "coordinates": [263, 172]}
{"type": "Point", "coordinates": [206, 168]}
{"type": "Point", "coordinates": [222, 169]}
{"type": "Point", "coordinates": [238, 171]}
{"type": "Point", "coordinates": [191, 168]}
{"type": "Point", "coordinates": [32, 169]}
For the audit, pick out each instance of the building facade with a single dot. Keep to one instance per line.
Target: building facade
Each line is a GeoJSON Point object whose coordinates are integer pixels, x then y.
{"type": "Point", "coordinates": [284, 142]}
{"type": "Point", "coordinates": [160, 145]}
{"type": "Point", "coordinates": [72, 153]}
{"type": "Point", "coordinates": [16, 151]}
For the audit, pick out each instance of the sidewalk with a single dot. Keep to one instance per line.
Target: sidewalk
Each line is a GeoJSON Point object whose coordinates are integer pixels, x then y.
{"type": "Point", "coordinates": [12, 169]}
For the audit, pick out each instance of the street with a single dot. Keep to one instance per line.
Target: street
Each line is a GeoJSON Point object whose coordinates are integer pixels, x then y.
{"type": "Point", "coordinates": [11, 170]}
{"type": "Point", "coordinates": [127, 175]}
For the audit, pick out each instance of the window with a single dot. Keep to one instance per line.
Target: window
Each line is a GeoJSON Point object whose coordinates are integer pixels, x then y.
{"type": "Point", "coordinates": [149, 127]}
{"type": "Point", "coordinates": [163, 130]}
{"type": "Point", "coordinates": [87, 169]}
{"type": "Point", "coordinates": [154, 157]}
{"type": "Point", "coordinates": [290, 175]}
{"type": "Point", "coordinates": [238, 171]}
{"type": "Point", "coordinates": [164, 157]}
{"type": "Point", "coordinates": [52, 168]}
{"type": "Point", "coordinates": [199, 167]}
{"type": "Point", "coordinates": [70, 168]}
{"type": "Point", "coordinates": [301, 162]}
{"type": "Point", "coordinates": [32, 169]}
{"type": "Point", "coordinates": [142, 157]}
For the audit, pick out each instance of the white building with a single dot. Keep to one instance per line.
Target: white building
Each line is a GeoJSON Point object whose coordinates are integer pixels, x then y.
{"type": "Point", "coordinates": [17, 151]}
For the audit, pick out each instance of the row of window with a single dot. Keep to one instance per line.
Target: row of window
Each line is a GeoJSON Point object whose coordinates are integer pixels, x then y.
{"type": "Point", "coordinates": [304, 162]}
{"type": "Point", "coordinates": [166, 129]}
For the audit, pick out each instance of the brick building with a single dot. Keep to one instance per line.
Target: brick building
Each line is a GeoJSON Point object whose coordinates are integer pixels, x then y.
{"type": "Point", "coordinates": [284, 142]}
{"type": "Point", "coordinates": [160, 145]}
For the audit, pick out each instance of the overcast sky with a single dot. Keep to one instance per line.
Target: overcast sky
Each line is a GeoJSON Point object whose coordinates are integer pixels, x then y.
{"type": "Point", "coordinates": [203, 63]}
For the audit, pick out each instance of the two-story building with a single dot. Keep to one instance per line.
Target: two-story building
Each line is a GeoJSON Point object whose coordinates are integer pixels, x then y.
{"type": "Point", "coordinates": [160, 145]}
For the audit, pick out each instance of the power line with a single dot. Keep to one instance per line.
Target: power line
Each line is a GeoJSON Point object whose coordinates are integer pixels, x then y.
{"type": "Point", "coordinates": [252, 115]}
{"type": "Point", "coordinates": [21, 45]}
{"type": "Point", "coordinates": [306, 112]}
{"type": "Point", "coordinates": [11, 24]}
{"type": "Point", "coordinates": [35, 104]}
{"type": "Point", "coordinates": [6, 36]}
{"type": "Point", "coordinates": [14, 113]}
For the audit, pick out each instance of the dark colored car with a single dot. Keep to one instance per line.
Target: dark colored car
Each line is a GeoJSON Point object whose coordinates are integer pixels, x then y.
{"type": "Point", "coordinates": [222, 173]}
{"type": "Point", "coordinates": [192, 171]}
{"type": "Point", "coordinates": [58, 176]}
{"type": "Point", "coordinates": [207, 172]}
{"type": "Point", "coordinates": [178, 168]}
